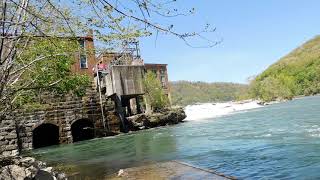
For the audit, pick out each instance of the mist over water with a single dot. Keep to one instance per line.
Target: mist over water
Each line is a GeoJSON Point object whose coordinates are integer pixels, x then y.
{"type": "Point", "coordinates": [277, 141]}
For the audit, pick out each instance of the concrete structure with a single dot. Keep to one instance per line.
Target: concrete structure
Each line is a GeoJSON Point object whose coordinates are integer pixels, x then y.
{"type": "Point", "coordinates": [127, 59]}
{"type": "Point", "coordinates": [125, 81]}
{"type": "Point", "coordinates": [122, 82]}
{"type": "Point", "coordinates": [170, 170]}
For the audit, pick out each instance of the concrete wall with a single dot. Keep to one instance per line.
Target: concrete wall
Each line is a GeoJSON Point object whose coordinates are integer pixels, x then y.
{"type": "Point", "coordinates": [125, 81]}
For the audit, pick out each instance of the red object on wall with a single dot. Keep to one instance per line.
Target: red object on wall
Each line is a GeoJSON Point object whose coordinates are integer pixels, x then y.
{"type": "Point", "coordinates": [102, 67]}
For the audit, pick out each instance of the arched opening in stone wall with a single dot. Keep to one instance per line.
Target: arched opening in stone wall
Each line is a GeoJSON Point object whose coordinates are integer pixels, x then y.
{"type": "Point", "coordinates": [45, 135]}
{"type": "Point", "coordinates": [82, 129]}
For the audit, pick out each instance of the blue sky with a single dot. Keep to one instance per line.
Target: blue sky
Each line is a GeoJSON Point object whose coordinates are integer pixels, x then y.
{"type": "Point", "coordinates": [255, 34]}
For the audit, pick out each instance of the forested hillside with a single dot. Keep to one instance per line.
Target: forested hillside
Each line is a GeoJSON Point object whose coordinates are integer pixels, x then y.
{"type": "Point", "coordinates": [298, 73]}
{"type": "Point", "coordinates": [184, 92]}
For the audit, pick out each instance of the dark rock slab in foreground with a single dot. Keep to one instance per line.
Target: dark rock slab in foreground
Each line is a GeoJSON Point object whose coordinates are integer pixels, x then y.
{"type": "Point", "coordinates": [168, 117]}
{"type": "Point", "coordinates": [168, 170]}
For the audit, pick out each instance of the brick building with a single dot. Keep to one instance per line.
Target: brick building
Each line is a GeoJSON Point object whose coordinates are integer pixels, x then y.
{"type": "Point", "coordinates": [85, 59]}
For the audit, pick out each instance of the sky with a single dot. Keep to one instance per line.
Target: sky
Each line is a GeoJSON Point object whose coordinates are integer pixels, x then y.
{"type": "Point", "coordinates": [255, 34]}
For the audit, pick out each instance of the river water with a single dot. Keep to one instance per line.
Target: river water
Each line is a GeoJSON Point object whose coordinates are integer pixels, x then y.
{"type": "Point", "coordinates": [280, 141]}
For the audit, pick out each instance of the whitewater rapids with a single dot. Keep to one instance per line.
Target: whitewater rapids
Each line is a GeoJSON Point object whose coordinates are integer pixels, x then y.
{"type": "Point", "coordinates": [203, 111]}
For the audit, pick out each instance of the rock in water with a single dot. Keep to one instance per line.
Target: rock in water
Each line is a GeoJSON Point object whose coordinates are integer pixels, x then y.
{"type": "Point", "coordinates": [121, 172]}
{"type": "Point", "coordinates": [166, 117]}
{"type": "Point", "coordinates": [169, 117]}
{"type": "Point", "coordinates": [137, 122]}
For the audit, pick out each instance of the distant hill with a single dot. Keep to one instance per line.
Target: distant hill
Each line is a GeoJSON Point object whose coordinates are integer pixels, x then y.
{"type": "Point", "coordinates": [298, 73]}
{"type": "Point", "coordinates": [185, 93]}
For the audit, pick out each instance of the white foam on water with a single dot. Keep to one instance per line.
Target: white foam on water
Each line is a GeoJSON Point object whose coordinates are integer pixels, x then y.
{"type": "Point", "coordinates": [263, 135]}
{"type": "Point", "coordinates": [211, 110]}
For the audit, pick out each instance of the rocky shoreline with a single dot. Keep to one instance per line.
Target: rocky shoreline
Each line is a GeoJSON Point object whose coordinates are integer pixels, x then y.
{"type": "Point", "coordinates": [27, 168]}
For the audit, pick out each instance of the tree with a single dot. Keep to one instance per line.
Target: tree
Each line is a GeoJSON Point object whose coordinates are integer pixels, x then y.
{"type": "Point", "coordinates": [295, 74]}
{"type": "Point", "coordinates": [50, 73]}
{"type": "Point", "coordinates": [33, 57]}
{"type": "Point", "coordinates": [154, 93]}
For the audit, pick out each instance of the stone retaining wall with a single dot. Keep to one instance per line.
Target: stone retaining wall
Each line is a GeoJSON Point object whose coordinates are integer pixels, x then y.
{"type": "Point", "coordinates": [16, 131]}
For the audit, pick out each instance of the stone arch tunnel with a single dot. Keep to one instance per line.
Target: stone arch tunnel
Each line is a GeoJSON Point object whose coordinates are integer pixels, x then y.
{"type": "Point", "coordinates": [45, 135]}
{"type": "Point", "coordinates": [65, 120]}
{"type": "Point", "coordinates": [82, 129]}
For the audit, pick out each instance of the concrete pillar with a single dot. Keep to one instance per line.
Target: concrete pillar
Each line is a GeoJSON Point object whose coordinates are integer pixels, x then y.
{"type": "Point", "coordinates": [129, 107]}
{"type": "Point", "coordinates": [120, 111]}
{"type": "Point", "coordinates": [133, 105]}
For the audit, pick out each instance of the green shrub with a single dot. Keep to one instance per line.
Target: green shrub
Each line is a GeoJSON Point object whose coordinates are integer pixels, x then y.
{"type": "Point", "coordinates": [155, 95]}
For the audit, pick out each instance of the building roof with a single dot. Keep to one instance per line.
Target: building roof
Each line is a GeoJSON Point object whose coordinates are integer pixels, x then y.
{"type": "Point", "coordinates": [154, 64]}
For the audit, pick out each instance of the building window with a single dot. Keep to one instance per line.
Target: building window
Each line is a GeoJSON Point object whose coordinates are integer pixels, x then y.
{"type": "Point", "coordinates": [83, 61]}
{"type": "Point", "coordinates": [163, 81]}
{"type": "Point", "coordinates": [83, 56]}
{"type": "Point", "coordinates": [162, 71]}
{"type": "Point", "coordinates": [81, 42]}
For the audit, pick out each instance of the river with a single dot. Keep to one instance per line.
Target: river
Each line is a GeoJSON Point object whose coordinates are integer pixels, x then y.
{"type": "Point", "coordinates": [280, 141]}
